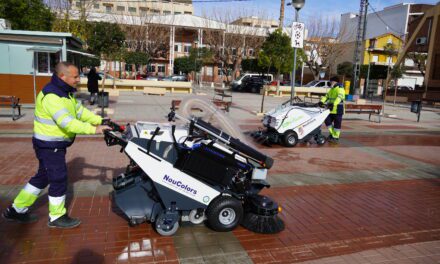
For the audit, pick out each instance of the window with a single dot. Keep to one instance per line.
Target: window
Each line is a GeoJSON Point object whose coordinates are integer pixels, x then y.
{"type": "Point", "coordinates": [96, 6]}
{"type": "Point", "coordinates": [132, 9]}
{"type": "Point", "coordinates": [151, 68]}
{"type": "Point", "coordinates": [161, 68]}
{"type": "Point", "coordinates": [120, 8]}
{"type": "Point", "coordinates": [167, 12]}
{"type": "Point", "coordinates": [155, 11]}
{"type": "Point", "coordinates": [177, 13]}
{"type": "Point", "coordinates": [178, 47]}
{"type": "Point", "coordinates": [390, 41]}
{"type": "Point", "coordinates": [108, 9]}
{"type": "Point", "coordinates": [251, 52]}
{"type": "Point", "coordinates": [187, 48]}
{"type": "Point", "coordinates": [372, 43]}
{"type": "Point", "coordinates": [78, 4]}
{"type": "Point", "coordinates": [209, 71]}
{"type": "Point", "coordinates": [143, 11]}
{"type": "Point", "coordinates": [46, 61]}
{"type": "Point", "coordinates": [320, 84]}
{"type": "Point", "coordinates": [188, 13]}
{"type": "Point", "coordinates": [375, 58]}
{"type": "Point", "coordinates": [234, 51]}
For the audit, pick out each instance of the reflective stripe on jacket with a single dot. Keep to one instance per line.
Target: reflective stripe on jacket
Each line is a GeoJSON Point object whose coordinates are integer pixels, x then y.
{"type": "Point", "coordinates": [59, 116]}
{"type": "Point", "coordinates": [335, 96]}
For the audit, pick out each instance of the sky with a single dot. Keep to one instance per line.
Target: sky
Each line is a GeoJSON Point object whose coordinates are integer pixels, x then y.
{"type": "Point", "coordinates": [271, 8]}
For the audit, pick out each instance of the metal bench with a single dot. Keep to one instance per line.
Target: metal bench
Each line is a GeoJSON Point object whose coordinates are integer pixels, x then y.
{"type": "Point", "coordinates": [13, 103]}
{"type": "Point", "coordinates": [364, 109]}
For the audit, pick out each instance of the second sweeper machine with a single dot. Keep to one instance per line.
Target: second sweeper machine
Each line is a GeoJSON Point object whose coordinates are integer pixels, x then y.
{"type": "Point", "coordinates": [192, 172]}
{"type": "Point", "coordinates": [291, 123]}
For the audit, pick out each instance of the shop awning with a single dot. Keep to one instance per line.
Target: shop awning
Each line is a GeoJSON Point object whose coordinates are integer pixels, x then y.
{"type": "Point", "coordinates": [82, 53]}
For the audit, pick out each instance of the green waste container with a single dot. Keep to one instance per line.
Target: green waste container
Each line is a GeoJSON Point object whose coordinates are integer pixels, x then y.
{"type": "Point", "coordinates": [103, 99]}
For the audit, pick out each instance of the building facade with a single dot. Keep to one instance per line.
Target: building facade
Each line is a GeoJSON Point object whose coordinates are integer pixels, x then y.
{"type": "Point", "coordinates": [29, 58]}
{"type": "Point", "coordinates": [134, 8]}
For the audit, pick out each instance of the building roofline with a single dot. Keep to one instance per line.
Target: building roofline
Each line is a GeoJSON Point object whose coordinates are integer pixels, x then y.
{"type": "Point", "coordinates": [36, 33]}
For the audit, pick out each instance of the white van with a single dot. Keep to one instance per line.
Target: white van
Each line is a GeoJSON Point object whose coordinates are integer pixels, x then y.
{"type": "Point", "coordinates": [237, 82]}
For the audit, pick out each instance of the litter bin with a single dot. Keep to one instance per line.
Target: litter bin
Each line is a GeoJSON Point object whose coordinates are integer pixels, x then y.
{"type": "Point", "coordinates": [103, 99]}
{"type": "Point", "coordinates": [415, 106]}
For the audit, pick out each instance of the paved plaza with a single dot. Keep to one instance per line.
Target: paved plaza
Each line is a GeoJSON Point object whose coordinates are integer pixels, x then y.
{"type": "Point", "coordinates": [373, 198]}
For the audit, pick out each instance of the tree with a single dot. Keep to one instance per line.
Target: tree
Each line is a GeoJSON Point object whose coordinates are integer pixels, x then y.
{"type": "Point", "coordinates": [27, 14]}
{"type": "Point", "coordinates": [277, 52]}
{"type": "Point", "coordinates": [345, 69]}
{"type": "Point", "coordinates": [136, 58]}
{"type": "Point", "coordinates": [323, 45]}
{"type": "Point", "coordinates": [89, 62]}
{"type": "Point", "coordinates": [106, 39]}
{"type": "Point", "coordinates": [419, 60]}
{"type": "Point", "coordinates": [183, 64]}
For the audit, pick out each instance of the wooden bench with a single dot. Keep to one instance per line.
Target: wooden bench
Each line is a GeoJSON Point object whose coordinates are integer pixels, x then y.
{"type": "Point", "coordinates": [155, 90]}
{"type": "Point", "coordinates": [222, 104]}
{"type": "Point", "coordinates": [13, 103]}
{"type": "Point", "coordinates": [364, 109]}
{"type": "Point", "coordinates": [222, 93]}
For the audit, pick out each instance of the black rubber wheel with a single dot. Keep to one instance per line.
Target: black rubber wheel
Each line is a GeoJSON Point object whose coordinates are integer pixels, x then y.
{"type": "Point", "coordinates": [320, 140]}
{"type": "Point", "coordinates": [224, 213]}
{"type": "Point", "coordinates": [290, 139]}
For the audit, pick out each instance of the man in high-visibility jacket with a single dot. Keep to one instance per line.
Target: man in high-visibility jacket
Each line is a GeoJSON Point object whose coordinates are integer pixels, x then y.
{"type": "Point", "coordinates": [335, 101]}
{"type": "Point", "coordinates": [58, 118]}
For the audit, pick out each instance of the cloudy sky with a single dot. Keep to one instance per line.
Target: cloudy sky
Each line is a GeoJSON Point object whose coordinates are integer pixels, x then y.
{"type": "Point", "coordinates": [270, 8]}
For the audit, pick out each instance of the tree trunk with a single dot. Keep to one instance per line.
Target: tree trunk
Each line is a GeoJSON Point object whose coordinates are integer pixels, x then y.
{"type": "Point", "coordinates": [281, 14]}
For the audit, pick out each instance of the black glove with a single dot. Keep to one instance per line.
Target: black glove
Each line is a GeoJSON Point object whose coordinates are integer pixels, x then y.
{"type": "Point", "coordinates": [330, 106]}
{"type": "Point", "coordinates": [106, 121]}
{"type": "Point", "coordinates": [321, 104]}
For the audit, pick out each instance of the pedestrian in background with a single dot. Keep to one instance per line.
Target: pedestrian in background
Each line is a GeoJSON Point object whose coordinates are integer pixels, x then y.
{"type": "Point", "coordinates": [92, 84]}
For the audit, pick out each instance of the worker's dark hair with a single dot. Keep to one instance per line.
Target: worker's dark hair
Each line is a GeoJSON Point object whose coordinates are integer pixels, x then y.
{"type": "Point", "coordinates": [334, 79]}
{"type": "Point", "coordinates": [61, 67]}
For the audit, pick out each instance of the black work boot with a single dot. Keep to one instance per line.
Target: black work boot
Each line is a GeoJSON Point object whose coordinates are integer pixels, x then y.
{"type": "Point", "coordinates": [25, 218]}
{"type": "Point", "coordinates": [64, 222]}
{"type": "Point", "coordinates": [334, 140]}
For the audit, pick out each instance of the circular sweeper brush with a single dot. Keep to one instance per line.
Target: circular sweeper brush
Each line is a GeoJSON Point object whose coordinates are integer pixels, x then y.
{"type": "Point", "coordinates": [261, 215]}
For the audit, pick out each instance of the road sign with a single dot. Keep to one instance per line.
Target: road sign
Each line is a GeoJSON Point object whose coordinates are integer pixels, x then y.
{"type": "Point", "coordinates": [297, 35]}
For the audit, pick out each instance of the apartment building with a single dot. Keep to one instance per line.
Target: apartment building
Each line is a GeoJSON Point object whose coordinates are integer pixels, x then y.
{"type": "Point", "coordinates": [255, 21]}
{"type": "Point", "coordinates": [135, 8]}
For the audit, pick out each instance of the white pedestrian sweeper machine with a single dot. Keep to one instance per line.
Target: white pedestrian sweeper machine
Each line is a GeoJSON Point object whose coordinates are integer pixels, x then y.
{"type": "Point", "coordinates": [191, 172]}
{"type": "Point", "coordinates": [291, 123]}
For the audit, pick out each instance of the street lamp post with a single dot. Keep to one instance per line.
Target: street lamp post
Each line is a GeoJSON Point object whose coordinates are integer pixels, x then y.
{"type": "Point", "coordinates": [297, 4]}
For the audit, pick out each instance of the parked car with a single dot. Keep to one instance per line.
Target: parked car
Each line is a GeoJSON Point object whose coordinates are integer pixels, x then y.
{"type": "Point", "coordinates": [236, 84]}
{"type": "Point", "coordinates": [283, 83]}
{"type": "Point", "coordinates": [252, 84]}
{"type": "Point", "coordinates": [176, 78]}
{"type": "Point", "coordinates": [319, 84]}
{"type": "Point", "coordinates": [152, 78]}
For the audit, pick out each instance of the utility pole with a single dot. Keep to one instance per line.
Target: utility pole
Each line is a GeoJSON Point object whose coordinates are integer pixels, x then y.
{"type": "Point", "coordinates": [360, 37]}
{"type": "Point", "coordinates": [281, 14]}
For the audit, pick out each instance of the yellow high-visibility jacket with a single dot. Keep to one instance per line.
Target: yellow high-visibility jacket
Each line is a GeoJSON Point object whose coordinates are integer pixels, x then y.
{"type": "Point", "coordinates": [59, 116]}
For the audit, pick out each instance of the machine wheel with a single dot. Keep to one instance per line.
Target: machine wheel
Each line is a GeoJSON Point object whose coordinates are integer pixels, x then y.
{"type": "Point", "coordinates": [168, 232]}
{"type": "Point", "coordinates": [290, 139]}
{"type": "Point", "coordinates": [196, 218]}
{"type": "Point", "coordinates": [224, 213]}
{"type": "Point", "coordinates": [320, 139]}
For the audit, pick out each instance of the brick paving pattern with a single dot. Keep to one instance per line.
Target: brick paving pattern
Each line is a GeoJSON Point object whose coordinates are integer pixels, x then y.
{"type": "Point", "coordinates": [374, 198]}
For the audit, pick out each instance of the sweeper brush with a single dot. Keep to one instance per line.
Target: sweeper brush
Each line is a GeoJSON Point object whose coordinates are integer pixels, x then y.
{"type": "Point", "coordinates": [261, 215]}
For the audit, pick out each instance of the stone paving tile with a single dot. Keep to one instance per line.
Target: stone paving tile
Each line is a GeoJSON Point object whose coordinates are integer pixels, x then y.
{"type": "Point", "coordinates": [425, 252]}
{"type": "Point", "coordinates": [333, 220]}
